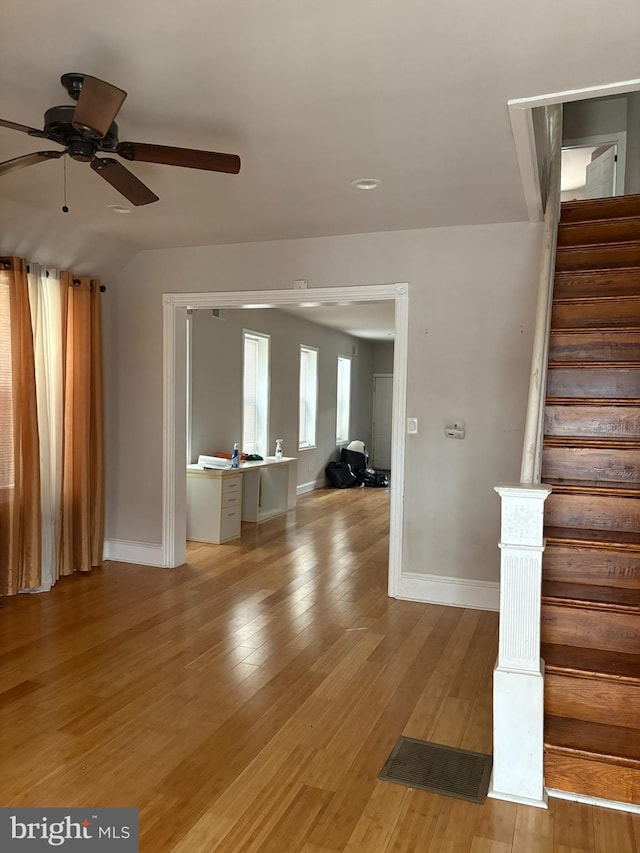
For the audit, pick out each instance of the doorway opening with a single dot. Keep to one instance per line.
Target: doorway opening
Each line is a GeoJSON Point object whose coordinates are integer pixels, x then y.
{"type": "Point", "coordinates": [175, 308]}
{"type": "Point", "coordinates": [593, 167]}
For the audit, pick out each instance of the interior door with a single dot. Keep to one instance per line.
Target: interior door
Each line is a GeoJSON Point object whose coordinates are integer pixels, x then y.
{"type": "Point", "coordinates": [381, 428]}
{"type": "Point", "coordinates": [601, 175]}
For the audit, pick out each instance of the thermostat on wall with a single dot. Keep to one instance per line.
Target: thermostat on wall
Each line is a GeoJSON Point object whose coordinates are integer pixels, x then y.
{"type": "Point", "coordinates": [454, 430]}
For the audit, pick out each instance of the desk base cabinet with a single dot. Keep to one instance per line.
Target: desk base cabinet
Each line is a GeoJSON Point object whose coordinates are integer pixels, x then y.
{"type": "Point", "coordinates": [219, 499]}
{"type": "Point", "coordinates": [214, 506]}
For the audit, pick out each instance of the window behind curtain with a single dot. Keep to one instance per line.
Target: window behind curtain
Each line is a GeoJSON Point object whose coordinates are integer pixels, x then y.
{"type": "Point", "coordinates": [255, 393]}
{"type": "Point", "coordinates": [308, 406]}
{"type": "Point", "coordinates": [343, 402]}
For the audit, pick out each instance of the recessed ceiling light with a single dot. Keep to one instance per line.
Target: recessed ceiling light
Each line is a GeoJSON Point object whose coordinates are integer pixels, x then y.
{"type": "Point", "coordinates": [366, 183]}
{"type": "Point", "coordinates": [119, 208]}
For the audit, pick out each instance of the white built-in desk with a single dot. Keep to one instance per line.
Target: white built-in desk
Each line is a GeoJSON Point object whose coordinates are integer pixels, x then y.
{"type": "Point", "coordinates": [218, 499]}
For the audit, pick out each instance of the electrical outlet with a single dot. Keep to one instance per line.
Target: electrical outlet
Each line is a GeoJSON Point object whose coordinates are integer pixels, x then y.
{"type": "Point", "coordinates": [301, 284]}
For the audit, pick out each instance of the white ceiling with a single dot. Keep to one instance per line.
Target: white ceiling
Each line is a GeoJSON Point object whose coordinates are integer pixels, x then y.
{"type": "Point", "coordinates": [311, 95]}
{"type": "Point", "coordinates": [371, 321]}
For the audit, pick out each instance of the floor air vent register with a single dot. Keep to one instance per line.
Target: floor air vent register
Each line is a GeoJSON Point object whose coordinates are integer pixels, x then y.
{"type": "Point", "coordinates": [439, 769]}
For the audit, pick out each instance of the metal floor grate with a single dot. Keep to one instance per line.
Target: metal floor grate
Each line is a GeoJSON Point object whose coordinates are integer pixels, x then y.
{"type": "Point", "coordinates": [439, 769]}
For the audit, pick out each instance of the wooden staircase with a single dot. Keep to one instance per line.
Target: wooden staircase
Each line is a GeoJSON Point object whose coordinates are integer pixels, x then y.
{"type": "Point", "coordinates": [591, 457]}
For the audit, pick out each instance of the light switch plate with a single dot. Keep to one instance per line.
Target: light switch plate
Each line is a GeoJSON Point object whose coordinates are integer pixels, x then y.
{"type": "Point", "coordinates": [412, 426]}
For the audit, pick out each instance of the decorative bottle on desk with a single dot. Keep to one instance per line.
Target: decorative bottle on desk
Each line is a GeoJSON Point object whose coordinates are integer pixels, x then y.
{"type": "Point", "coordinates": [235, 456]}
{"type": "Point", "coordinates": [278, 449]}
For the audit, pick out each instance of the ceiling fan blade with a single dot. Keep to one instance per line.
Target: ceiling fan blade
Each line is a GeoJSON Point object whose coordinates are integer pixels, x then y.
{"type": "Point", "coordinates": [29, 160]}
{"type": "Point", "coordinates": [32, 131]}
{"type": "Point", "coordinates": [123, 180]}
{"type": "Point", "coordinates": [190, 158]}
{"type": "Point", "coordinates": [97, 107]}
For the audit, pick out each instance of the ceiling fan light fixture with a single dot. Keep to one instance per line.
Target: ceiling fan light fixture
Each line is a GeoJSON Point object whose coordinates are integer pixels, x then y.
{"type": "Point", "coordinates": [366, 183]}
{"type": "Point", "coordinates": [119, 208]}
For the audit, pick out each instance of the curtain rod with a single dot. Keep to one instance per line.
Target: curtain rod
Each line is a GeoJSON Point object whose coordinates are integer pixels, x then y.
{"type": "Point", "coordinates": [6, 264]}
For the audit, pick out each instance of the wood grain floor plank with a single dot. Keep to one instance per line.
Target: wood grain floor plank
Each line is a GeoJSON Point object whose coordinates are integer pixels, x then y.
{"type": "Point", "coordinates": [248, 700]}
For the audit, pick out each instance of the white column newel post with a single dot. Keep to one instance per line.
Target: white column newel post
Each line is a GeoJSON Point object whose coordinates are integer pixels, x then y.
{"type": "Point", "coordinates": [518, 678]}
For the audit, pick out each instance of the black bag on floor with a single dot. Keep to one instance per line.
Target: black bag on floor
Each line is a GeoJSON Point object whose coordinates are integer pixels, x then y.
{"type": "Point", "coordinates": [340, 475]}
{"type": "Point", "coordinates": [372, 478]}
{"type": "Point", "coordinates": [357, 460]}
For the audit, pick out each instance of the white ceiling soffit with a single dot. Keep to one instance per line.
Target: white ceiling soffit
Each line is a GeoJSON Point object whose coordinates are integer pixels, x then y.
{"type": "Point", "coordinates": [311, 96]}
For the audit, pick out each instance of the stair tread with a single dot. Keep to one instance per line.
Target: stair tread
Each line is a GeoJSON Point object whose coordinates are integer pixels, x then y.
{"type": "Point", "coordinates": [593, 401]}
{"type": "Point", "coordinates": [593, 331]}
{"type": "Point", "coordinates": [596, 298]}
{"type": "Point", "coordinates": [594, 365]}
{"type": "Point", "coordinates": [600, 539]}
{"type": "Point", "coordinates": [594, 662]}
{"type": "Point", "coordinates": [622, 442]}
{"type": "Point", "coordinates": [601, 487]}
{"type": "Point", "coordinates": [595, 740]}
{"type": "Point", "coordinates": [598, 209]}
{"type": "Point", "coordinates": [609, 326]}
{"type": "Point", "coordinates": [595, 247]}
{"type": "Point", "coordinates": [596, 597]}
{"type": "Point", "coordinates": [605, 220]}
{"type": "Point", "coordinates": [617, 272]}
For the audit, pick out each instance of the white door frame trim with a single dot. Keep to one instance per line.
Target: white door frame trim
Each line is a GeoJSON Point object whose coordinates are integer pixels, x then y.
{"type": "Point", "coordinates": [520, 114]}
{"type": "Point", "coordinates": [174, 312]}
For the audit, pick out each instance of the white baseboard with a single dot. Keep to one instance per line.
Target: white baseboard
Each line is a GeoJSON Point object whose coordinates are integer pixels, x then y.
{"type": "Point", "coordinates": [127, 551]}
{"type": "Point", "coordinates": [594, 801]}
{"type": "Point", "coordinates": [303, 488]}
{"type": "Point", "coordinates": [455, 592]}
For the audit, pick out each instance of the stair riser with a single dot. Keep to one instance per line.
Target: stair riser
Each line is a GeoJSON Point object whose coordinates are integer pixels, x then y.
{"type": "Point", "coordinates": [598, 257]}
{"type": "Point", "coordinates": [578, 463]}
{"type": "Point", "coordinates": [595, 346]}
{"type": "Point", "coordinates": [594, 567]}
{"type": "Point", "coordinates": [611, 383]}
{"type": "Point", "coordinates": [593, 512]}
{"type": "Point", "coordinates": [592, 778]}
{"type": "Point", "coordinates": [594, 700]}
{"type": "Point", "coordinates": [624, 281]}
{"type": "Point", "coordinates": [607, 231]}
{"type": "Point", "coordinates": [601, 208]}
{"type": "Point", "coordinates": [592, 421]}
{"type": "Point", "coordinates": [595, 314]}
{"type": "Point", "coordinates": [590, 628]}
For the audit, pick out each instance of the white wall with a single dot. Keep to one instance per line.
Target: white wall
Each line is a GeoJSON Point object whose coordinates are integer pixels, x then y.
{"type": "Point", "coordinates": [594, 117]}
{"type": "Point", "coordinates": [632, 173]}
{"type": "Point", "coordinates": [59, 240]}
{"type": "Point", "coordinates": [217, 384]}
{"type": "Point", "coordinates": [471, 302]}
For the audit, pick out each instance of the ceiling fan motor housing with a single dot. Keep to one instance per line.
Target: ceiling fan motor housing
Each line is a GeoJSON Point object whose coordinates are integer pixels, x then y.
{"type": "Point", "coordinates": [58, 126]}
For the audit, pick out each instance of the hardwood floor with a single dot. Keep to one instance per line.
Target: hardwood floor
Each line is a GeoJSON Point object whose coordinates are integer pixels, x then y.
{"type": "Point", "coordinates": [248, 700]}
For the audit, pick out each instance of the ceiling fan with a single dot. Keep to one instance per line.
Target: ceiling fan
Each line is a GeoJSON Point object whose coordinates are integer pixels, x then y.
{"type": "Point", "coordinates": [88, 129]}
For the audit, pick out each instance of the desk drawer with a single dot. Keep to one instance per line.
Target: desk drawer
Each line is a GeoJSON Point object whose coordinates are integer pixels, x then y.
{"type": "Point", "coordinates": [232, 485]}
{"type": "Point", "coordinates": [230, 523]}
{"type": "Point", "coordinates": [231, 499]}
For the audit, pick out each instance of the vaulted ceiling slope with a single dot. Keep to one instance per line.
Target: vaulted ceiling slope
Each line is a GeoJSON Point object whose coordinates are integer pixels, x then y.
{"type": "Point", "coordinates": [311, 95]}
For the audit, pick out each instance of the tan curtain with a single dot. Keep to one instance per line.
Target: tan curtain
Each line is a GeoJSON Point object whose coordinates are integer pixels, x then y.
{"type": "Point", "coordinates": [82, 521]}
{"type": "Point", "coordinates": [20, 513]}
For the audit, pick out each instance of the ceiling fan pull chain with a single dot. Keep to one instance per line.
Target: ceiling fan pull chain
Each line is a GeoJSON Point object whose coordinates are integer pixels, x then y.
{"type": "Point", "coordinates": [65, 209]}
